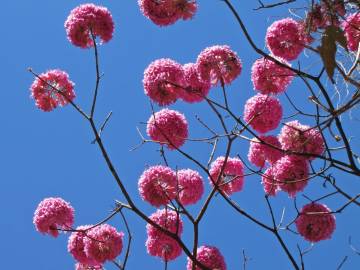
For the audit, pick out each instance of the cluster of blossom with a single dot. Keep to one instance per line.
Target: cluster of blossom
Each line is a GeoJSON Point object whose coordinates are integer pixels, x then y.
{"type": "Point", "coordinates": [269, 77]}
{"type": "Point", "coordinates": [287, 172]}
{"type": "Point", "coordinates": [286, 38]}
{"type": "Point", "coordinates": [160, 244]}
{"type": "Point", "coordinates": [315, 222]}
{"type": "Point", "coordinates": [165, 80]}
{"type": "Point", "coordinates": [91, 246]}
{"type": "Point", "coordinates": [210, 257]}
{"type": "Point", "coordinates": [263, 112]}
{"type": "Point", "coordinates": [168, 127]}
{"type": "Point", "coordinates": [324, 14]}
{"type": "Point", "coordinates": [227, 174]}
{"type": "Point", "coordinates": [351, 27]}
{"type": "Point", "coordinates": [89, 20]}
{"type": "Point", "coordinates": [167, 12]}
{"type": "Point", "coordinates": [51, 89]}
{"type": "Point", "coordinates": [159, 184]}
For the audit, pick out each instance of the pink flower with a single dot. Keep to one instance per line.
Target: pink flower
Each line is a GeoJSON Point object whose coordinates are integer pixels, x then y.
{"type": "Point", "coordinates": [219, 63]}
{"type": "Point", "coordinates": [260, 152]}
{"type": "Point", "coordinates": [80, 266]}
{"type": "Point", "coordinates": [351, 27]}
{"type": "Point", "coordinates": [196, 89]}
{"type": "Point", "coordinates": [53, 214]}
{"type": "Point", "coordinates": [286, 38]}
{"type": "Point", "coordinates": [271, 186]}
{"type": "Point", "coordinates": [167, 219]}
{"type": "Point", "coordinates": [302, 139]}
{"type": "Point", "coordinates": [88, 18]}
{"type": "Point", "coordinates": [324, 14]}
{"type": "Point", "coordinates": [158, 243]}
{"type": "Point", "coordinates": [157, 185]}
{"type": "Point", "coordinates": [291, 174]}
{"type": "Point", "coordinates": [76, 246]}
{"type": "Point", "coordinates": [164, 247]}
{"type": "Point", "coordinates": [232, 178]}
{"type": "Point", "coordinates": [51, 89]}
{"type": "Point", "coordinates": [166, 12]}
{"type": "Point", "coordinates": [191, 186]}
{"type": "Point", "coordinates": [263, 112]}
{"type": "Point", "coordinates": [210, 257]}
{"type": "Point", "coordinates": [163, 80]}
{"type": "Point", "coordinates": [315, 222]}
{"type": "Point", "coordinates": [168, 127]}
{"type": "Point", "coordinates": [269, 77]}
{"type": "Point", "coordinates": [103, 243]}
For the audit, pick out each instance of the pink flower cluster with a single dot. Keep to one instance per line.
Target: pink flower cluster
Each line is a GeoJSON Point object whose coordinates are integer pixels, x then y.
{"type": "Point", "coordinates": [93, 246]}
{"type": "Point", "coordinates": [51, 89]}
{"type": "Point", "coordinates": [302, 139]}
{"type": "Point", "coordinates": [219, 64]}
{"type": "Point", "coordinates": [289, 174]}
{"type": "Point", "coordinates": [351, 27]}
{"type": "Point", "coordinates": [315, 222]}
{"type": "Point", "coordinates": [260, 152]}
{"type": "Point", "coordinates": [263, 112]}
{"type": "Point", "coordinates": [325, 14]}
{"type": "Point", "coordinates": [232, 175]}
{"type": "Point", "coordinates": [157, 185]}
{"type": "Point", "coordinates": [158, 243]}
{"type": "Point", "coordinates": [167, 12]}
{"type": "Point", "coordinates": [269, 77]}
{"type": "Point", "coordinates": [168, 127]}
{"type": "Point", "coordinates": [163, 80]}
{"type": "Point", "coordinates": [86, 20]}
{"type": "Point", "coordinates": [53, 214]}
{"type": "Point", "coordinates": [190, 186]}
{"type": "Point", "coordinates": [210, 257]}
{"type": "Point", "coordinates": [286, 38]}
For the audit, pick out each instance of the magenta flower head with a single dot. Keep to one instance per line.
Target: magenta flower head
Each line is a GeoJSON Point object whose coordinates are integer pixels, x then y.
{"type": "Point", "coordinates": [195, 89]}
{"type": "Point", "coordinates": [351, 27]}
{"type": "Point", "coordinates": [286, 38]}
{"type": "Point", "coordinates": [315, 222]}
{"type": "Point", "coordinates": [323, 15]}
{"type": "Point", "coordinates": [263, 112]}
{"type": "Point", "coordinates": [53, 214]}
{"type": "Point", "coordinates": [103, 243]}
{"type": "Point", "coordinates": [168, 127]}
{"type": "Point", "coordinates": [76, 246]}
{"type": "Point", "coordinates": [232, 178]}
{"type": "Point", "coordinates": [260, 152]}
{"type": "Point", "coordinates": [157, 185]}
{"type": "Point", "coordinates": [163, 80]}
{"type": "Point", "coordinates": [210, 257]}
{"type": "Point", "coordinates": [80, 266]}
{"type": "Point", "coordinates": [302, 139]}
{"type": "Point", "coordinates": [219, 64]}
{"type": "Point", "coordinates": [269, 77]}
{"type": "Point", "coordinates": [167, 12]}
{"type": "Point", "coordinates": [87, 20]}
{"type": "Point", "coordinates": [190, 185]}
{"type": "Point", "coordinates": [51, 89]}
{"type": "Point", "coordinates": [291, 174]}
{"type": "Point", "coordinates": [158, 243]}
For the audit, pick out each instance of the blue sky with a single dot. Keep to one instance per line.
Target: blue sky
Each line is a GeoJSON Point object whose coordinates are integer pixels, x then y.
{"type": "Point", "coordinates": [50, 154]}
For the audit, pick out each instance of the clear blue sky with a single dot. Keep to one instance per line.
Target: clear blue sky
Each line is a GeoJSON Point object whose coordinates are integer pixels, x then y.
{"type": "Point", "coordinates": [50, 154]}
